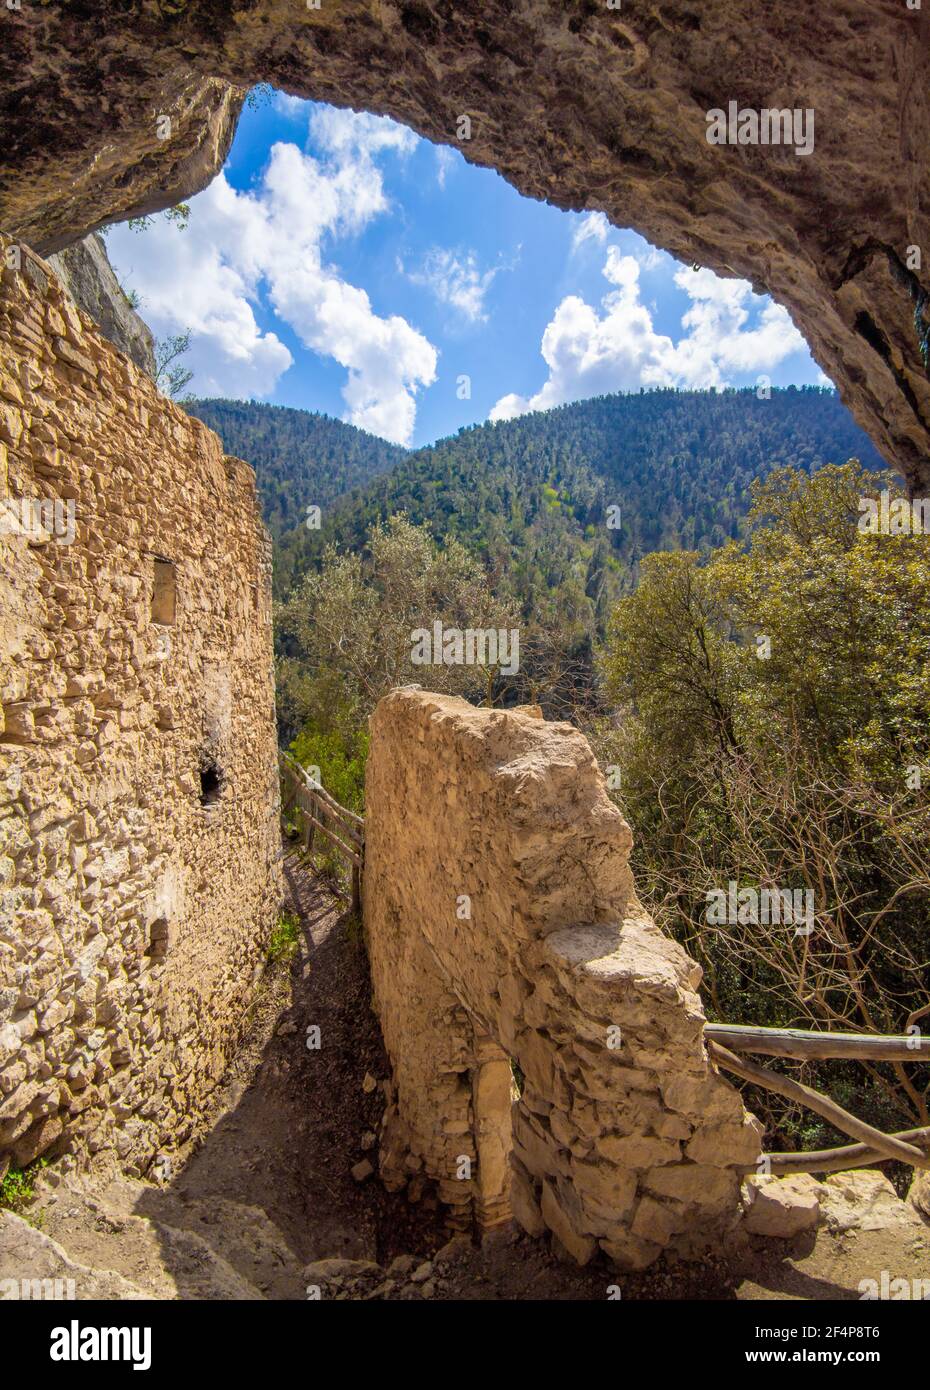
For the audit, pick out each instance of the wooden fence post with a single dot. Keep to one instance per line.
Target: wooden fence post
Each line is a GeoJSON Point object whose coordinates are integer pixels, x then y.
{"type": "Point", "coordinates": [320, 811]}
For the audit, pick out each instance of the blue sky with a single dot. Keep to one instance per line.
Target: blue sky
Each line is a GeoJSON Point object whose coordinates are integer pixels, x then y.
{"type": "Point", "coordinates": [341, 263]}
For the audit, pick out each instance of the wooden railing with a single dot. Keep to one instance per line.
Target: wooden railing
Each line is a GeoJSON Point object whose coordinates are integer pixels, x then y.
{"type": "Point", "coordinates": [317, 810]}
{"type": "Point", "coordinates": [911, 1146]}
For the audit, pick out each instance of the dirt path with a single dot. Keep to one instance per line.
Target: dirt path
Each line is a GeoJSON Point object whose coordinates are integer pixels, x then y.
{"type": "Point", "coordinates": [291, 1120]}
{"type": "Point", "coordinates": [265, 1188]}
{"type": "Point", "coordinates": [294, 1130]}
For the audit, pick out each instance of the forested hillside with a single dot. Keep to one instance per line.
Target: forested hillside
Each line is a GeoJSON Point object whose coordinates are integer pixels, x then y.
{"type": "Point", "coordinates": [300, 457]}
{"type": "Point", "coordinates": [531, 496]}
{"type": "Point", "coordinates": [560, 505]}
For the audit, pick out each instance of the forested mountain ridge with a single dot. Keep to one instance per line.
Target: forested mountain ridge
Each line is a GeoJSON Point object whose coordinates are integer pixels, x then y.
{"type": "Point", "coordinates": [561, 505]}
{"type": "Point", "coordinates": [300, 457]}
{"type": "Point", "coordinates": [531, 495]}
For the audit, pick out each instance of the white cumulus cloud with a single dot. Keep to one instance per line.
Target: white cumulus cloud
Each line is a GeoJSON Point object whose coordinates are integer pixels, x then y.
{"type": "Point", "coordinates": [591, 351]}
{"type": "Point", "coordinates": [241, 248]}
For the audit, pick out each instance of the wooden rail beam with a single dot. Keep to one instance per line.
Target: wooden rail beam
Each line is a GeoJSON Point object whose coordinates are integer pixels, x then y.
{"type": "Point", "coordinates": [821, 1105]}
{"type": "Point", "coordinates": [805, 1044]}
{"type": "Point", "coordinates": [834, 1160]}
{"type": "Point", "coordinates": [301, 776]}
{"type": "Point", "coordinates": [316, 806]}
{"type": "Point", "coordinates": [334, 805]}
{"type": "Point", "coordinates": [346, 849]}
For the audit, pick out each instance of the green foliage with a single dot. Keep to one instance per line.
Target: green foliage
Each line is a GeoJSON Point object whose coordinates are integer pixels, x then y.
{"type": "Point", "coordinates": [336, 745]}
{"type": "Point", "coordinates": [528, 500]}
{"type": "Point", "coordinates": [285, 938]}
{"type": "Point", "coordinates": [17, 1188]}
{"type": "Point", "coordinates": [847, 618]}
{"type": "Point", "coordinates": [793, 770]}
{"type": "Point", "coordinates": [300, 459]}
{"type": "Point", "coordinates": [346, 630]}
{"type": "Point", "coordinates": [178, 216]}
{"type": "Point", "coordinates": [528, 497]}
{"type": "Point", "coordinates": [339, 751]}
{"type": "Point", "coordinates": [522, 494]}
{"type": "Point", "coordinates": [170, 375]}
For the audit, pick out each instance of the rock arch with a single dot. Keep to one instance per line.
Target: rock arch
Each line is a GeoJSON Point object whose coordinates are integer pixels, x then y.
{"type": "Point", "coordinates": [583, 104]}
{"type": "Point", "coordinates": [502, 923]}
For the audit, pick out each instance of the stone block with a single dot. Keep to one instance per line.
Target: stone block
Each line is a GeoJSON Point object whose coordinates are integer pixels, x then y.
{"type": "Point", "coordinates": [782, 1207]}
{"type": "Point", "coordinates": [580, 1246]}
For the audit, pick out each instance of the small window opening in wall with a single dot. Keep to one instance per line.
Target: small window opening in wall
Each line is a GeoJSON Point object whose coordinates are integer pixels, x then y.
{"type": "Point", "coordinates": [211, 783]}
{"type": "Point", "coordinates": [157, 948]}
{"type": "Point", "coordinates": [164, 593]}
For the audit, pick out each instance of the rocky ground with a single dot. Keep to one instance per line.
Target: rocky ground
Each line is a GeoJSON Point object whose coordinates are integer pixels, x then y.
{"type": "Point", "coordinates": [277, 1198]}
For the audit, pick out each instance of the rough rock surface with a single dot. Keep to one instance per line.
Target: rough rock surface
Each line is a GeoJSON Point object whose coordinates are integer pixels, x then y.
{"type": "Point", "coordinates": [85, 271]}
{"type": "Point", "coordinates": [33, 1265]}
{"type": "Point", "coordinates": [113, 1245]}
{"type": "Point", "coordinates": [586, 105]}
{"type": "Point", "coordinates": [517, 933]}
{"type": "Point", "coordinates": [782, 1207]}
{"type": "Point", "coordinates": [864, 1200]}
{"type": "Point", "coordinates": [161, 130]}
{"type": "Point", "coordinates": [139, 840]}
{"type": "Point", "coordinates": [919, 1194]}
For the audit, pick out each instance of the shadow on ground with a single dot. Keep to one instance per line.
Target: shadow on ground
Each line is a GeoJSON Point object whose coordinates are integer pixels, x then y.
{"type": "Point", "coordinates": [289, 1122]}
{"type": "Point", "coordinates": [267, 1185]}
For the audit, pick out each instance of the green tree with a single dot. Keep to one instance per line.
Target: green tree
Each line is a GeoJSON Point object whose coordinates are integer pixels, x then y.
{"type": "Point", "coordinates": [171, 376]}
{"type": "Point", "coordinates": [774, 718]}
{"type": "Point", "coordinates": [178, 216]}
{"type": "Point", "coordinates": [347, 631]}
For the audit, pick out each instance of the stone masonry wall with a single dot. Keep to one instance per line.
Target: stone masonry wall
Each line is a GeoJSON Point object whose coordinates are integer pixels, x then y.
{"type": "Point", "coordinates": [139, 873]}
{"type": "Point", "coordinates": [502, 923]}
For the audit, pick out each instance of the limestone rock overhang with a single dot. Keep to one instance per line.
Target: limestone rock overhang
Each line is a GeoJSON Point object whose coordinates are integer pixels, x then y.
{"type": "Point", "coordinates": [584, 105]}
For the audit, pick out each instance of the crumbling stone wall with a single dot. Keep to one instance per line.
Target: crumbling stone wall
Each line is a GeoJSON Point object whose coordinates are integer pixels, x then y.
{"type": "Point", "coordinates": [139, 870]}
{"type": "Point", "coordinates": [502, 923]}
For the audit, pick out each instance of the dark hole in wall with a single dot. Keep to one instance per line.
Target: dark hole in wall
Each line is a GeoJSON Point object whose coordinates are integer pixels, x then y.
{"type": "Point", "coordinates": [211, 783]}
{"type": "Point", "coordinates": [157, 948]}
{"type": "Point", "coordinates": [868, 329]}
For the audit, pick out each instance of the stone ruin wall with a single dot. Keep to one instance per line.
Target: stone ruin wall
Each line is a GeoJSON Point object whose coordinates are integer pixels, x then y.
{"type": "Point", "coordinates": [133, 918]}
{"type": "Point", "coordinates": [632, 1147]}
